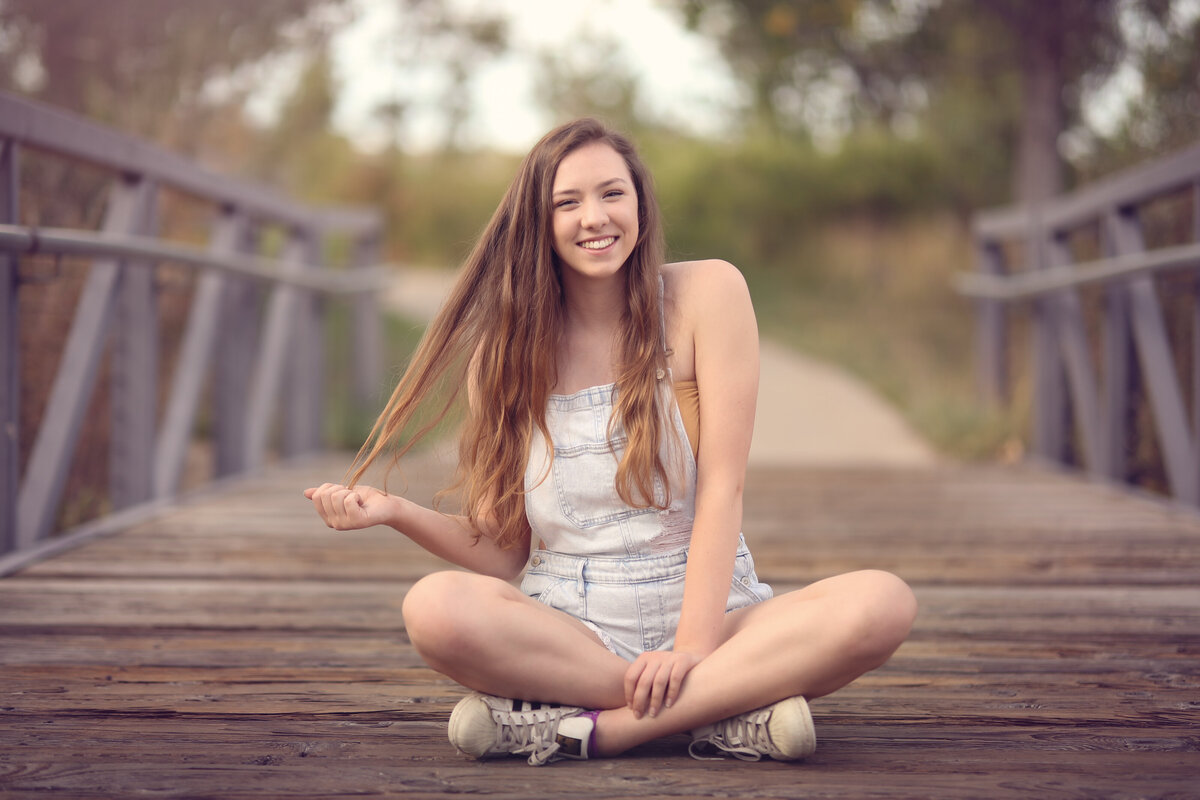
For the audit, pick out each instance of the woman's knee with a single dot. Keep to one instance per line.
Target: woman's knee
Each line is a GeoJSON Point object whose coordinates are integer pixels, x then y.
{"type": "Point", "coordinates": [437, 610]}
{"type": "Point", "coordinates": [885, 614]}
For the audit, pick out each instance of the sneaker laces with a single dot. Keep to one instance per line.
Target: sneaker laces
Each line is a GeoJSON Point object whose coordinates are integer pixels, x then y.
{"type": "Point", "coordinates": [528, 732]}
{"type": "Point", "coordinates": [744, 736]}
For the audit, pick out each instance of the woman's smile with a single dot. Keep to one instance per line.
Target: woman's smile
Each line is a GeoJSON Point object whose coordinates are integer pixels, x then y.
{"type": "Point", "coordinates": [595, 219]}
{"type": "Point", "coordinates": [598, 244]}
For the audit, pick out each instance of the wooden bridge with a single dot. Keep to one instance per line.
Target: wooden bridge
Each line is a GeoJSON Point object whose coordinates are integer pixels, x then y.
{"type": "Point", "coordinates": [223, 643]}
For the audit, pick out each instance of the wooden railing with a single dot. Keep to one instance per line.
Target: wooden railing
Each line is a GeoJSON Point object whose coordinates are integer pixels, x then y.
{"type": "Point", "coordinates": [252, 348]}
{"type": "Point", "coordinates": [1109, 276]}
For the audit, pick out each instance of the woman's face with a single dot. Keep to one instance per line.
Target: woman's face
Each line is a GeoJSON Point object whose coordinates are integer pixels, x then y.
{"type": "Point", "coordinates": [595, 213]}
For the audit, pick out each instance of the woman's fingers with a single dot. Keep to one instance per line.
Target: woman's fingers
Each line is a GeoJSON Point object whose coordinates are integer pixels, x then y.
{"type": "Point", "coordinates": [632, 676]}
{"type": "Point", "coordinates": [658, 693]}
{"type": "Point", "coordinates": [653, 682]}
{"type": "Point", "coordinates": [643, 691]}
{"type": "Point", "coordinates": [351, 504]}
{"type": "Point", "coordinates": [340, 507]}
{"type": "Point", "coordinates": [676, 683]}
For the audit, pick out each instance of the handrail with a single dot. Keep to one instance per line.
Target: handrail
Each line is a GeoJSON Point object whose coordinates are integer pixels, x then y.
{"type": "Point", "coordinates": [62, 133]}
{"type": "Point", "coordinates": [1129, 187]}
{"type": "Point", "coordinates": [145, 251]}
{"type": "Point", "coordinates": [252, 346]}
{"type": "Point", "coordinates": [1032, 285]}
{"type": "Point", "coordinates": [1091, 365]}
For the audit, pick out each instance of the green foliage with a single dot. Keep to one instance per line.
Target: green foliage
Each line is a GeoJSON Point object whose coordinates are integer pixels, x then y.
{"type": "Point", "coordinates": [589, 79]}
{"type": "Point", "coordinates": [875, 297]}
{"type": "Point", "coordinates": [436, 205]}
{"type": "Point", "coordinates": [301, 153]}
{"type": "Point", "coordinates": [1163, 117]}
{"type": "Point", "coordinates": [757, 202]}
{"type": "Point", "coordinates": [347, 423]}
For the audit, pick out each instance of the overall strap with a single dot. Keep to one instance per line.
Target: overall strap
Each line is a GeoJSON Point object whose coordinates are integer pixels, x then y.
{"type": "Point", "coordinates": [662, 314]}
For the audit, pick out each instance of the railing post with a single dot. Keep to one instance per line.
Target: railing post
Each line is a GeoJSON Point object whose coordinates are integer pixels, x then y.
{"type": "Point", "coordinates": [305, 358]}
{"type": "Point", "coordinates": [1077, 359]}
{"type": "Point", "coordinates": [1049, 395]}
{"type": "Point", "coordinates": [271, 359]}
{"type": "Point", "coordinates": [237, 341]}
{"type": "Point", "coordinates": [1196, 331]}
{"type": "Point", "coordinates": [134, 376]}
{"type": "Point", "coordinates": [1117, 354]}
{"type": "Point", "coordinates": [991, 331]}
{"type": "Point", "coordinates": [10, 349]}
{"type": "Point", "coordinates": [1158, 366]}
{"type": "Point", "coordinates": [195, 356]}
{"type": "Point", "coordinates": [51, 459]}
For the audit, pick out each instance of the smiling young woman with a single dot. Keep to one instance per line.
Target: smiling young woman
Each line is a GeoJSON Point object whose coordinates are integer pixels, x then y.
{"type": "Point", "coordinates": [595, 212]}
{"type": "Point", "coordinates": [603, 456]}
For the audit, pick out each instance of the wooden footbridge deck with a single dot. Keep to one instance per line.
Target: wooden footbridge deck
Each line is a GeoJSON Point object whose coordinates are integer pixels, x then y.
{"type": "Point", "coordinates": [233, 647]}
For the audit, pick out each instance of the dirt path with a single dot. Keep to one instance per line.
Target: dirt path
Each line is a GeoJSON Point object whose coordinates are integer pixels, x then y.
{"type": "Point", "coordinates": [809, 412]}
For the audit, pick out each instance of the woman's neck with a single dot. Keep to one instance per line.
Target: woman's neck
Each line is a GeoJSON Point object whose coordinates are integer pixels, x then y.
{"type": "Point", "coordinates": [593, 314]}
{"type": "Point", "coordinates": [594, 305]}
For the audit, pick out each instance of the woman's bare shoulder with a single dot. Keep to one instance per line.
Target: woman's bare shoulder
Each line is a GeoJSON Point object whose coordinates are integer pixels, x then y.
{"type": "Point", "coordinates": [695, 285]}
{"type": "Point", "coordinates": [705, 268]}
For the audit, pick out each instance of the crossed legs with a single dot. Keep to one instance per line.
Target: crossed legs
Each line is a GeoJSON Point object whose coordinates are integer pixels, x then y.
{"type": "Point", "coordinates": [487, 635]}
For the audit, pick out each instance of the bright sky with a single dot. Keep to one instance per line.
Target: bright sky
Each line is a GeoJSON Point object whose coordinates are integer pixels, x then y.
{"type": "Point", "coordinates": [683, 79]}
{"type": "Point", "coordinates": [681, 73]}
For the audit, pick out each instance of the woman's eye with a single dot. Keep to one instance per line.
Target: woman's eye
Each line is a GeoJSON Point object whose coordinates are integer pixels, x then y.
{"type": "Point", "coordinates": [614, 193]}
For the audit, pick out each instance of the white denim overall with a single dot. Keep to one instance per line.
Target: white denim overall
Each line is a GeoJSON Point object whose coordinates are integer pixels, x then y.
{"type": "Point", "coordinates": [618, 569]}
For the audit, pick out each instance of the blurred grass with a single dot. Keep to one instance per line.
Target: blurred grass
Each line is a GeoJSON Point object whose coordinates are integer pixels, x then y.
{"type": "Point", "coordinates": [877, 299]}
{"type": "Point", "coordinates": [347, 422]}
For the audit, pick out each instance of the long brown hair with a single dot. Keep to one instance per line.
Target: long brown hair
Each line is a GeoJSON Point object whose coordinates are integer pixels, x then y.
{"type": "Point", "coordinates": [500, 329]}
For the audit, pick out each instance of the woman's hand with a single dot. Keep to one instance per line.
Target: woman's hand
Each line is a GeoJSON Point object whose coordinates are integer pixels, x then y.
{"type": "Point", "coordinates": [346, 509]}
{"type": "Point", "coordinates": [652, 682]}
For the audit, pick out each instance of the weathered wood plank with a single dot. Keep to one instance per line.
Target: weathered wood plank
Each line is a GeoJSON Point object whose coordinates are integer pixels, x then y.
{"type": "Point", "coordinates": [237, 648]}
{"type": "Point", "coordinates": [296, 757]}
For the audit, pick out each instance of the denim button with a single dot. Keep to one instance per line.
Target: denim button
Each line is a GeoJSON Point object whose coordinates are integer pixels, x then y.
{"type": "Point", "coordinates": [745, 580]}
{"type": "Point", "coordinates": [536, 561]}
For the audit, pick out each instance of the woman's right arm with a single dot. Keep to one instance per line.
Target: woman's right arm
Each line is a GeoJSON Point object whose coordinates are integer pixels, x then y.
{"type": "Point", "coordinates": [446, 536]}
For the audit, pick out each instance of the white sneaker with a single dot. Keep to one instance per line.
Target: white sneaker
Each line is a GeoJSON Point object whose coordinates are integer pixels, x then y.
{"type": "Point", "coordinates": [484, 726]}
{"type": "Point", "coordinates": [784, 731]}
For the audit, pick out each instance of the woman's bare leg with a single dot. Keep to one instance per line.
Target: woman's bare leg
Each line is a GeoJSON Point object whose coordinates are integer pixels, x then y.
{"type": "Point", "coordinates": [487, 635]}
{"type": "Point", "coordinates": [809, 642]}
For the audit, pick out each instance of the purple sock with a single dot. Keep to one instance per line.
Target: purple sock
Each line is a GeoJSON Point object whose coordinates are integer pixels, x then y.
{"type": "Point", "coordinates": [591, 744]}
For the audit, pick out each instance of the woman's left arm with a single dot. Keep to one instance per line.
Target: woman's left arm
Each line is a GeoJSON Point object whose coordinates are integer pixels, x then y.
{"type": "Point", "coordinates": [717, 303]}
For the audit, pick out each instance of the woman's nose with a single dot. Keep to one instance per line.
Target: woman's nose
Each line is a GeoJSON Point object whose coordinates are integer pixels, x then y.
{"type": "Point", "coordinates": [594, 215]}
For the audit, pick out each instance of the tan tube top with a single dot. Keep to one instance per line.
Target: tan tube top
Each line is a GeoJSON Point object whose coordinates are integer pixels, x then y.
{"type": "Point", "coordinates": [687, 397]}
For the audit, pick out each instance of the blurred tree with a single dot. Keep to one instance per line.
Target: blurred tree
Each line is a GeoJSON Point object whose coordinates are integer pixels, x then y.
{"type": "Point", "coordinates": [814, 67]}
{"type": "Point", "coordinates": [301, 151]}
{"type": "Point", "coordinates": [1055, 46]}
{"type": "Point", "coordinates": [124, 62]}
{"type": "Point", "coordinates": [1162, 117]}
{"type": "Point", "coordinates": [454, 41]}
{"type": "Point", "coordinates": [980, 75]}
{"type": "Point", "coordinates": [589, 79]}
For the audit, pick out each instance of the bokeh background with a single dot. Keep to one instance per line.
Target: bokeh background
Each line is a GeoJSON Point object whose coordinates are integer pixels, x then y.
{"type": "Point", "coordinates": [835, 150]}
